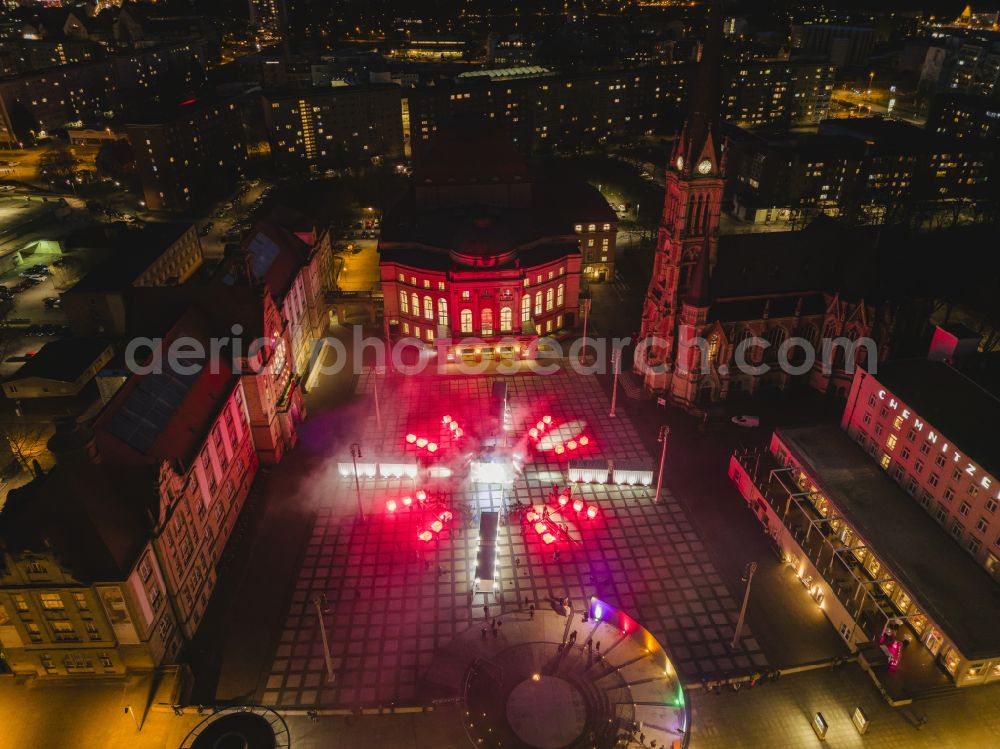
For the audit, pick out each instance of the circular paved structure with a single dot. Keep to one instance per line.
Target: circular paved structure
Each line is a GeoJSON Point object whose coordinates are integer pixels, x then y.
{"type": "Point", "coordinates": [548, 713]}
{"type": "Point", "coordinates": [239, 728]}
{"type": "Point", "coordinates": [523, 688]}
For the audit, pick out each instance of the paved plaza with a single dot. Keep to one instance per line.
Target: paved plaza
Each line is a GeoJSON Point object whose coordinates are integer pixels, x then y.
{"type": "Point", "coordinates": [392, 601]}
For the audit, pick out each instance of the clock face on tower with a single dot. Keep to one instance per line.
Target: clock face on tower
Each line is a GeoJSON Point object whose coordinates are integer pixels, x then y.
{"type": "Point", "coordinates": [680, 163]}
{"type": "Point", "coordinates": [705, 167]}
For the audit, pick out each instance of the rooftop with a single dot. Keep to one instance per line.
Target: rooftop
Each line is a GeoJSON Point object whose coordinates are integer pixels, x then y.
{"type": "Point", "coordinates": [945, 581]}
{"type": "Point", "coordinates": [961, 408]}
{"type": "Point", "coordinates": [62, 360]}
{"type": "Point", "coordinates": [133, 251]}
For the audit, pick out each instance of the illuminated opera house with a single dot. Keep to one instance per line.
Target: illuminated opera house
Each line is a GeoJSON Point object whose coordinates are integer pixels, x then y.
{"type": "Point", "coordinates": [478, 248]}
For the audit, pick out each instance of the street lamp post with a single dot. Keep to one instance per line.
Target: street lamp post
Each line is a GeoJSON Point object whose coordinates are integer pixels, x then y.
{"type": "Point", "coordinates": [616, 359]}
{"type": "Point", "coordinates": [378, 411]}
{"type": "Point", "coordinates": [319, 601]}
{"type": "Point", "coordinates": [664, 433]}
{"type": "Point", "coordinates": [586, 319]}
{"type": "Point", "coordinates": [355, 454]}
{"type": "Point", "coordinates": [130, 711]}
{"type": "Point", "coordinates": [747, 578]}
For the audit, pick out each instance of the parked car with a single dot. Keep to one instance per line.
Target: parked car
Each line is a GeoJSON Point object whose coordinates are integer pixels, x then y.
{"type": "Point", "coordinates": [206, 229]}
{"type": "Point", "coordinates": [52, 302]}
{"type": "Point", "coordinates": [746, 421]}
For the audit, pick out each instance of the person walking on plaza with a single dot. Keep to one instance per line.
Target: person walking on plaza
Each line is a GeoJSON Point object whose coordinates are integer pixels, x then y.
{"type": "Point", "coordinates": [531, 611]}
{"type": "Point", "coordinates": [486, 611]}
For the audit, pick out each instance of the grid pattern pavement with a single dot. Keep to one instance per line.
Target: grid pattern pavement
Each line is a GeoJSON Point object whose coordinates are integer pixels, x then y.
{"type": "Point", "coordinates": [392, 600]}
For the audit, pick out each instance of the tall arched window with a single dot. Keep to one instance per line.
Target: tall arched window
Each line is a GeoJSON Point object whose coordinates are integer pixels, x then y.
{"type": "Point", "coordinates": [526, 308]}
{"type": "Point", "coordinates": [538, 303]}
{"type": "Point", "coordinates": [550, 296]}
{"type": "Point", "coordinates": [415, 303]}
{"type": "Point", "coordinates": [466, 319]}
{"type": "Point", "coordinates": [713, 347]}
{"type": "Point", "coordinates": [404, 303]}
{"type": "Point", "coordinates": [428, 308]}
{"type": "Point", "coordinates": [775, 336]}
{"type": "Point", "coordinates": [561, 295]}
{"type": "Point", "coordinates": [443, 311]}
{"type": "Point", "coordinates": [740, 340]}
{"type": "Point", "coordinates": [486, 318]}
{"type": "Point", "coordinates": [506, 319]}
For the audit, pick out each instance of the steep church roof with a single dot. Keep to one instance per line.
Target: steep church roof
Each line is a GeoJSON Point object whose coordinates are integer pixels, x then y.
{"type": "Point", "coordinates": [697, 140]}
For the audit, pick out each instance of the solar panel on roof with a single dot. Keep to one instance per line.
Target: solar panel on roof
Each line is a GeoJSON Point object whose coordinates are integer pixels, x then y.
{"type": "Point", "coordinates": [147, 411]}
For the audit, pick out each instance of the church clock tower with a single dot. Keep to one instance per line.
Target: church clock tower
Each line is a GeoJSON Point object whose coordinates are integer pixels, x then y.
{"type": "Point", "coordinates": [689, 226]}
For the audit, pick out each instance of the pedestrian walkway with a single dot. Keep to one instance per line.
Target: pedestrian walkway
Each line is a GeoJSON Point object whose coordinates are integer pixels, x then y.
{"type": "Point", "coordinates": [779, 714]}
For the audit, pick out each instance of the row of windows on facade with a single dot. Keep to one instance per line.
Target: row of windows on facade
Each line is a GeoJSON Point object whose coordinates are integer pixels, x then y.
{"type": "Point", "coordinates": [62, 630]}
{"type": "Point", "coordinates": [466, 294]}
{"type": "Point", "coordinates": [554, 299]}
{"type": "Point", "coordinates": [428, 333]}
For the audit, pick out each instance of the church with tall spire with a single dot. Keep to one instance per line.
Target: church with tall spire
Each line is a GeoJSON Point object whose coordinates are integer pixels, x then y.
{"type": "Point", "coordinates": [708, 294]}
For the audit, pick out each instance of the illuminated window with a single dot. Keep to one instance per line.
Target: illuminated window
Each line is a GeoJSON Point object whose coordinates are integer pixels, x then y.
{"type": "Point", "coordinates": [526, 308]}
{"type": "Point", "coordinates": [891, 442]}
{"type": "Point", "coordinates": [428, 308]}
{"type": "Point", "coordinates": [538, 303]}
{"type": "Point", "coordinates": [897, 422]}
{"type": "Point", "coordinates": [442, 311]}
{"type": "Point", "coordinates": [465, 318]}
{"type": "Point", "coordinates": [506, 319]}
{"type": "Point", "coordinates": [550, 295]}
{"type": "Point", "coordinates": [560, 295]}
{"type": "Point", "coordinates": [415, 302]}
{"type": "Point", "coordinates": [486, 319]}
{"type": "Point", "coordinates": [884, 462]}
{"type": "Point", "coordinates": [52, 601]}
{"type": "Point", "coordinates": [404, 304]}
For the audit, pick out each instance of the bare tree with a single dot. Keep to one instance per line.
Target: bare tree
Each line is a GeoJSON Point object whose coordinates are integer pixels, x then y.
{"type": "Point", "coordinates": [26, 440]}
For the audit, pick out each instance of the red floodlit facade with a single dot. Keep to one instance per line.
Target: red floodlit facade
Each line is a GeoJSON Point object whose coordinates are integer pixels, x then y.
{"type": "Point", "coordinates": [477, 250]}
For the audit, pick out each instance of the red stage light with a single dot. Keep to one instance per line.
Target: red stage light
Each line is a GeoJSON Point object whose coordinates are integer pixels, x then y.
{"type": "Point", "coordinates": [407, 500]}
{"type": "Point", "coordinates": [425, 535]}
{"type": "Point", "coordinates": [436, 526]}
{"type": "Point", "coordinates": [540, 527]}
{"type": "Point", "coordinates": [577, 505]}
{"type": "Point", "coordinates": [446, 516]}
{"type": "Point", "coordinates": [422, 442]}
{"type": "Point", "coordinates": [411, 438]}
{"type": "Point", "coordinates": [549, 538]}
{"type": "Point", "coordinates": [563, 500]}
{"type": "Point", "coordinates": [532, 516]}
{"type": "Point", "coordinates": [446, 419]}
{"type": "Point", "coordinates": [453, 425]}
{"type": "Point", "coordinates": [432, 447]}
{"type": "Point", "coordinates": [571, 444]}
{"type": "Point", "coordinates": [391, 505]}
{"type": "Point", "coordinates": [584, 441]}
{"type": "Point", "coordinates": [533, 433]}
{"type": "Point", "coordinates": [459, 432]}
{"type": "Point", "coordinates": [560, 449]}
{"type": "Point", "coordinates": [547, 419]}
{"type": "Point", "coordinates": [540, 426]}
{"type": "Point", "coordinates": [592, 512]}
